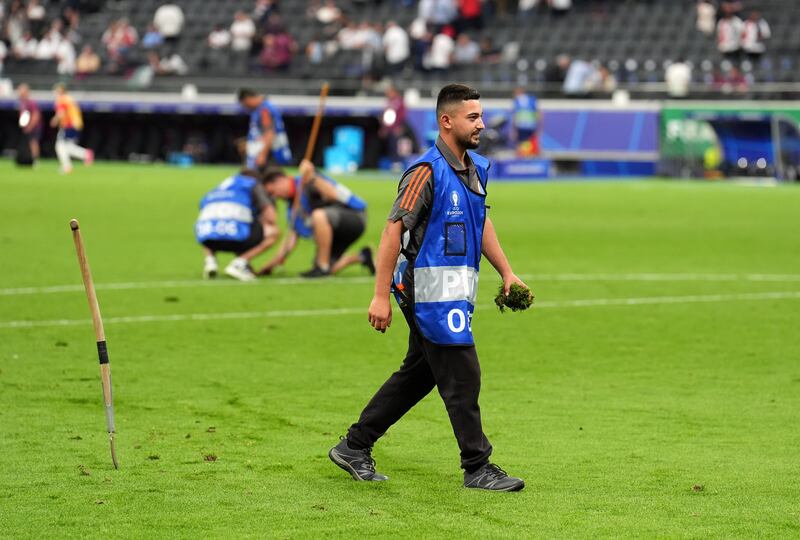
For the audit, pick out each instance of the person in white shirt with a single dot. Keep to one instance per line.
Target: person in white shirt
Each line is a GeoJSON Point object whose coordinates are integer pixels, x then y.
{"type": "Point", "coordinates": [65, 55]}
{"type": "Point", "coordinates": [25, 47]}
{"type": "Point", "coordinates": [729, 33]}
{"type": "Point", "coordinates": [219, 38]}
{"type": "Point", "coordinates": [48, 45]}
{"type": "Point", "coordinates": [242, 32]}
{"type": "Point", "coordinates": [706, 17]}
{"type": "Point", "coordinates": [755, 31]}
{"type": "Point", "coordinates": [678, 76]}
{"type": "Point", "coordinates": [396, 47]}
{"type": "Point", "coordinates": [441, 54]}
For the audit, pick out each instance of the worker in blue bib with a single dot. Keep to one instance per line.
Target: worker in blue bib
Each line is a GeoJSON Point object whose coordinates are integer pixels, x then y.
{"type": "Point", "coordinates": [429, 257]}
{"type": "Point", "coordinates": [237, 216]}
{"type": "Point", "coordinates": [327, 212]}
{"type": "Point", "coordinates": [267, 142]}
{"type": "Point", "coordinates": [525, 119]}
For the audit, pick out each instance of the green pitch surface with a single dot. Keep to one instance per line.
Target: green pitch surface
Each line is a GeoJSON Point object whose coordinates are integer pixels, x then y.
{"type": "Point", "coordinates": [653, 391]}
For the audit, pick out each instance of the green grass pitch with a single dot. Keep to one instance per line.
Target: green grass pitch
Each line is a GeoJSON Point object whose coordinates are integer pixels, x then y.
{"type": "Point", "coordinates": [652, 391]}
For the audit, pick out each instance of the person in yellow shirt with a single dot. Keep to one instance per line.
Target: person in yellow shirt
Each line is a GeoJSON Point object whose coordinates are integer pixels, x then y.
{"type": "Point", "coordinates": [69, 120]}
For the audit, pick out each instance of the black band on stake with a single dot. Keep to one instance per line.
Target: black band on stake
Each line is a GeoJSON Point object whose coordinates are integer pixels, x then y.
{"type": "Point", "coordinates": [102, 352]}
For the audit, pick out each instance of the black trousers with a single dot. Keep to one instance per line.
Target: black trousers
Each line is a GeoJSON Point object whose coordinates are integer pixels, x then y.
{"type": "Point", "coordinates": [454, 371]}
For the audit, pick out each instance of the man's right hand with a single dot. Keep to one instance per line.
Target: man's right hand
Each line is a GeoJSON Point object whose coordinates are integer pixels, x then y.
{"type": "Point", "coordinates": [380, 313]}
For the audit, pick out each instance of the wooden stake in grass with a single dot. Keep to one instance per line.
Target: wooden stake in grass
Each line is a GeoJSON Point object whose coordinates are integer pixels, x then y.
{"type": "Point", "coordinates": [100, 335]}
{"type": "Point", "coordinates": [310, 145]}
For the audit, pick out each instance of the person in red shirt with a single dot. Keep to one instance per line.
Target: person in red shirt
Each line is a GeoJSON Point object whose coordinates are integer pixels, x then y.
{"type": "Point", "coordinates": [470, 14]}
{"type": "Point", "coordinates": [30, 119]}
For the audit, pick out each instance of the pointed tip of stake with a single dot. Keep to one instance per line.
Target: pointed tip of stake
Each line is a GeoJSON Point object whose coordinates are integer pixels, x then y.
{"type": "Point", "coordinates": [73, 224]}
{"type": "Point", "coordinates": [113, 451]}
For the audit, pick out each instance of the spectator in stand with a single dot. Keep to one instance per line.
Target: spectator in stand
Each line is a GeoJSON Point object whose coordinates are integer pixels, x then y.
{"type": "Point", "coordinates": [706, 16]}
{"type": "Point", "coordinates": [327, 13]}
{"type": "Point", "coordinates": [263, 10]}
{"type": "Point", "coordinates": [396, 48]}
{"type": "Point", "coordinates": [71, 19]}
{"type": "Point", "coordinates": [273, 24]}
{"type": "Point", "coordinates": [731, 81]}
{"type": "Point", "coordinates": [438, 13]}
{"type": "Point", "coordinates": [678, 77]}
{"type": "Point", "coordinates": [734, 7]}
{"type": "Point", "coordinates": [16, 23]}
{"type": "Point", "coordinates": [489, 53]}
{"type": "Point", "coordinates": [470, 15]}
{"type": "Point", "coordinates": [729, 33]}
{"type": "Point", "coordinates": [466, 51]}
{"type": "Point", "coordinates": [440, 57]}
{"type": "Point", "coordinates": [579, 78]}
{"type": "Point", "coordinates": [755, 31]}
{"type": "Point", "coordinates": [420, 41]}
{"type": "Point", "coordinates": [242, 32]}
{"type": "Point", "coordinates": [48, 45]}
{"type": "Point", "coordinates": [560, 7]}
{"type": "Point", "coordinates": [371, 51]}
{"type": "Point", "coordinates": [168, 20]}
{"type": "Point", "coordinates": [30, 119]}
{"type": "Point", "coordinates": [65, 56]}
{"type": "Point", "coordinates": [527, 7]}
{"type": "Point", "coordinates": [350, 37]}
{"type": "Point", "coordinates": [119, 40]}
{"type": "Point", "coordinates": [25, 46]}
{"type": "Point", "coordinates": [88, 62]}
{"type": "Point", "coordinates": [315, 51]}
{"type": "Point", "coordinates": [152, 38]}
{"type": "Point", "coordinates": [219, 38]}
{"type": "Point", "coordinates": [36, 16]}
{"type": "Point", "coordinates": [277, 51]}
{"type": "Point", "coordinates": [3, 54]}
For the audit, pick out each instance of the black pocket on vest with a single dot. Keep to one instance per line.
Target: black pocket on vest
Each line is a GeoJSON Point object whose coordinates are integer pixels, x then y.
{"type": "Point", "coordinates": [455, 239]}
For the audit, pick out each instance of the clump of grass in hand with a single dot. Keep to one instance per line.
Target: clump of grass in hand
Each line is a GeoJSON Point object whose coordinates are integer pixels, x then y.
{"type": "Point", "coordinates": [519, 298]}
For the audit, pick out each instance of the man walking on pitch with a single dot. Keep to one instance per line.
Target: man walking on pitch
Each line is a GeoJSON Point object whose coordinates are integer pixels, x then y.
{"type": "Point", "coordinates": [329, 213]}
{"type": "Point", "coordinates": [238, 217]}
{"type": "Point", "coordinates": [429, 255]}
{"type": "Point", "coordinates": [69, 120]}
{"type": "Point", "coordinates": [30, 121]}
{"type": "Point", "coordinates": [267, 142]}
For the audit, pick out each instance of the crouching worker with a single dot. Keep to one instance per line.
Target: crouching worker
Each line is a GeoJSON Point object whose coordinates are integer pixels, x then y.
{"type": "Point", "coordinates": [237, 217]}
{"type": "Point", "coordinates": [328, 212]}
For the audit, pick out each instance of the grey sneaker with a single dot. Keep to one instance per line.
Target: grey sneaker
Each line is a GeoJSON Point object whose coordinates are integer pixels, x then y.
{"type": "Point", "coordinates": [492, 478]}
{"type": "Point", "coordinates": [358, 463]}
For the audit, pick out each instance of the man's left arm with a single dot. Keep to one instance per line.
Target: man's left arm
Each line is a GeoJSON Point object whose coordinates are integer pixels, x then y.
{"type": "Point", "coordinates": [494, 254]}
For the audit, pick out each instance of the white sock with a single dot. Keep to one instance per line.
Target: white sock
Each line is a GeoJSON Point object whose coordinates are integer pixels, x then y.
{"type": "Point", "coordinates": [211, 260]}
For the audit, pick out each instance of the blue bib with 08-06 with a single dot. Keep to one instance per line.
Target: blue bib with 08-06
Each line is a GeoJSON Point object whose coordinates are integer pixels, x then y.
{"type": "Point", "coordinates": [343, 194]}
{"type": "Point", "coordinates": [227, 211]}
{"type": "Point", "coordinates": [281, 153]}
{"type": "Point", "coordinates": [446, 267]}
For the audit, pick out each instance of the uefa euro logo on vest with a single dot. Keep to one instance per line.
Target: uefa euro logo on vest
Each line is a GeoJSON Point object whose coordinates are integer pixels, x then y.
{"type": "Point", "coordinates": [226, 212]}
{"type": "Point", "coordinates": [446, 268]}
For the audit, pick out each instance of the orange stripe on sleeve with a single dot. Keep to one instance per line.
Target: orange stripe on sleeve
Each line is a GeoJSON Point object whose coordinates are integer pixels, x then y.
{"type": "Point", "coordinates": [423, 179]}
{"type": "Point", "coordinates": [410, 186]}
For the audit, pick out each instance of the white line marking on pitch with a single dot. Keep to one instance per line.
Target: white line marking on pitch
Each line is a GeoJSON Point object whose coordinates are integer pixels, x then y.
{"type": "Point", "coordinates": [177, 284]}
{"type": "Point", "coordinates": [588, 302]}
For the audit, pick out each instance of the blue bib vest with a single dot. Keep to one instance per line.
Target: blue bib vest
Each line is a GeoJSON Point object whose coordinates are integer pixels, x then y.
{"type": "Point", "coordinates": [525, 113]}
{"type": "Point", "coordinates": [344, 196]}
{"type": "Point", "coordinates": [446, 267]}
{"type": "Point", "coordinates": [281, 153]}
{"type": "Point", "coordinates": [227, 211]}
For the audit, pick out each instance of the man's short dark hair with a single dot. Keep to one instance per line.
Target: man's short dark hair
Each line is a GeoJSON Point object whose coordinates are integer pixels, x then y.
{"type": "Point", "coordinates": [272, 174]}
{"type": "Point", "coordinates": [452, 94]}
{"type": "Point", "coordinates": [245, 93]}
{"type": "Point", "coordinates": [250, 173]}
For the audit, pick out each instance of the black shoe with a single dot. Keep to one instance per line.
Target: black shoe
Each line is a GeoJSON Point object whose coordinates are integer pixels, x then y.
{"type": "Point", "coordinates": [366, 260]}
{"type": "Point", "coordinates": [316, 272]}
{"type": "Point", "coordinates": [493, 478]}
{"type": "Point", "coordinates": [358, 463]}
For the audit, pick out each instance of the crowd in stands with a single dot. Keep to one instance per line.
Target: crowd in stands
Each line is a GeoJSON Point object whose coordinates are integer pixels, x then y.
{"type": "Point", "coordinates": [443, 35]}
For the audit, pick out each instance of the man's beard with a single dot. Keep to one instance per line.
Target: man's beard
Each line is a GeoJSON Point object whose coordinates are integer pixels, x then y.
{"type": "Point", "coordinates": [467, 142]}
